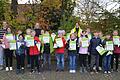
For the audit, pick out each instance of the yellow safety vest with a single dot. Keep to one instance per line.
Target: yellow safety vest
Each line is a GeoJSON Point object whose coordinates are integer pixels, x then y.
{"type": "Point", "coordinates": [74, 30]}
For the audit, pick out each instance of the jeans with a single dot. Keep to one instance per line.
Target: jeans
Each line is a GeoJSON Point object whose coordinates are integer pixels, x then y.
{"type": "Point", "coordinates": [72, 62]}
{"type": "Point", "coordinates": [1, 56]}
{"type": "Point", "coordinates": [94, 62]}
{"type": "Point", "coordinates": [20, 60]}
{"type": "Point", "coordinates": [106, 63]}
{"type": "Point", "coordinates": [47, 60]}
{"type": "Point", "coordinates": [60, 61]}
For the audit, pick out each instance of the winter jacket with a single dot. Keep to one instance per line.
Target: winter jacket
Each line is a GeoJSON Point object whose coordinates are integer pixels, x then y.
{"type": "Point", "coordinates": [33, 49]}
{"type": "Point", "coordinates": [62, 49]}
{"type": "Point", "coordinates": [22, 48]}
{"type": "Point", "coordinates": [94, 42]}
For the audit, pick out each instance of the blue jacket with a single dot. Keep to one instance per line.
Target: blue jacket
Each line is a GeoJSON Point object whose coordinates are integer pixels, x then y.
{"type": "Point", "coordinates": [94, 42]}
{"type": "Point", "coordinates": [21, 49]}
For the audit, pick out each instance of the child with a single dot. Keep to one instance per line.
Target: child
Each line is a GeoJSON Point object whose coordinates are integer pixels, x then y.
{"type": "Point", "coordinates": [2, 32]}
{"type": "Point", "coordinates": [72, 46]}
{"type": "Point", "coordinates": [101, 56]}
{"type": "Point", "coordinates": [60, 44]}
{"type": "Point", "coordinates": [90, 35]}
{"type": "Point", "coordinates": [47, 41]}
{"type": "Point", "coordinates": [8, 53]}
{"type": "Point", "coordinates": [83, 51]}
{"type": "Point", "coordinates": [94, 42]}
{"type": "Point", "coordinates": [20, 54]}
{"type": "Point", "coordinates": [107, 57]}
{"type": "Point", "coordinates": [116, 52]}
{"type": "Point", "coordinates": [28, 33]}
{"type": "Point", "coordinates": [34, 53]}
{"type": "Point", "coordinates": [18, 33]}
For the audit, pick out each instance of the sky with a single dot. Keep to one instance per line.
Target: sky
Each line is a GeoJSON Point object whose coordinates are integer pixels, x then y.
{"type": "Point", "coordinates": [25, 1]}
{"type": "Point", "coordinates": [103, 1]}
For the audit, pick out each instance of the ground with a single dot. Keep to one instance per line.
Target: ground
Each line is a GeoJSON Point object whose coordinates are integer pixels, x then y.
{"type": "Point", "coordinates": [53, 75]}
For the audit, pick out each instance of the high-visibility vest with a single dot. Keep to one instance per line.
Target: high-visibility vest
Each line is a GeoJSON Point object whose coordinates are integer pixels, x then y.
{"type": "Point", "coordinates": [74, 30]}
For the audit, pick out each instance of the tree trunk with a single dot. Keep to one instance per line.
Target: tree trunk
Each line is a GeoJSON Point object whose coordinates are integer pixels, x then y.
{"type": "Point", "coordinates": [14, 5]}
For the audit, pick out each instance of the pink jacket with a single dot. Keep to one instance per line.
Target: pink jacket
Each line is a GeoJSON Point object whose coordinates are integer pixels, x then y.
{"type": "Point", "coordinates": [6, 42]}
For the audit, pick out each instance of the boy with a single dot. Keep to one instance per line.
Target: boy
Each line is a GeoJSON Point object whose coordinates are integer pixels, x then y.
{"type": "Point", "coordinates": [94, 42]}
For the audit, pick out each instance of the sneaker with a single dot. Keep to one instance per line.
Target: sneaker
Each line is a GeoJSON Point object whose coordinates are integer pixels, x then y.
{"type": "Point", "coordinates": [32, 72]}
{"type": "Point", "coordinates": [7, 69]}
{"type": "Point", "coordinates": [18, 71]}
{"type": "Point", "coordinates": [105, 72]}
{"type": "Point", "coordinates": [85, 70]}
{"type": "Point", "coordinates": [92, 72]}
{"type": "Point", "coordinates": [117, 70]}
{"type": "Point", "coordinates": [62, 70]}
{"type": "Point", "coordinates": [11, 68]}
{"type": "Point", "coordinates": [73, 71]}
{"type": "Point", "coordinates": [112, 70]}
{"type": "Point", "coordinates": [28, 66]}
{"type": "Point", "coordinates": [39, 72]}
{"type": "Point", "coordinates": [57, 70]}
{"type": "Point", "coordinates": [1, 68]}
{"type": "Point", "coordinates": [70, 71]}
{"type": "Point", "coordinates": [22, 70]}
{"type": "Point", "coordinates": [100, 68]}
{"type": "Point", "coordinates": [94, 68]}
{"type": "Point", "coordinates": [109, 72]}
{"type": "Point", "coordinates": [81, 70]}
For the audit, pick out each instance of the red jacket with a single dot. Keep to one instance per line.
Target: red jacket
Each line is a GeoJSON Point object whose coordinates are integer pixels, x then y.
{"type": "Point", "coordinates": [116, 50]}
{"type": "Point", "coordinates": [62, 49]}
{"type": "Point", "coordinates": [33, 49]}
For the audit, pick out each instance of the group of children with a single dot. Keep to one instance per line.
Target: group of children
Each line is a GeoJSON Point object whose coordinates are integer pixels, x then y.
{"type": "Point", "coordinates": [95, 51]}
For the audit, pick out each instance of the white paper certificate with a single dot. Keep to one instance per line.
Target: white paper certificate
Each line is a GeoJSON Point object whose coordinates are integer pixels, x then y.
{"type": "Point", "coordinates": [10, 37]}
{"type": "Point", "coordinates": [72, 45]}
{"type": "Point", "coordinates": [13, 45]}
{"type": "Point", "coordinates": [46, 38]}
{"type": "Point", "coordinates": [59, 42]}
{"type": "Point", "coordinates": [18, 44]}
{"type": "Point", "coordinates": [116, 40]}
{"type": "Point", "coordinates": [30, 41]}
{"type": "Point", "coordinates": [27, 36]}
{"type": "Point", "coordinates": [85, 42]}
{"type": "Point", "coordinates": [38, 46]}
{"type": "Point", "coordinates": [101, 50]}
{"type": "Point", "coordinates": [109, 45]}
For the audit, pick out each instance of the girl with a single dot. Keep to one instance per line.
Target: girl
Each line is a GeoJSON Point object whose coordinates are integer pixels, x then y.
{"type": "Point", "coordinates": [8, 53]}
{"type": "Point", "coordinates": [18, 33]}
{"type": "Point", "coordinates": [47, 50]}
{"type": "Point", "coordinates": [107, 57]}
{"type": "Point", "coordinates": [20, 54]}
{"type": "Point", "coordinates": [116, 51]}
{"type": "Point", "coordinates": [28, 33]}
{"type": "Point", "coordinates": [60, 44]}
{"type": "Point", "coordinates": [72, 46]}
{"type": "Point", "coordinates": [83, 51]}
{"type": "Point", "coordinates": [34, 53]}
